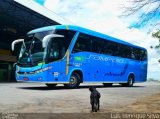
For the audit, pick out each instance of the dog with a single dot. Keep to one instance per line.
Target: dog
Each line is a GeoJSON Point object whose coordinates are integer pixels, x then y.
{"type": "Point", "coordinates": [94, 99]}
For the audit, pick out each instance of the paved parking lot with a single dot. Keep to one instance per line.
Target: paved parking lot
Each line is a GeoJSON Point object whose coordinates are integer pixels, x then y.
{"type": "Point", "coordinates": [36, 97]}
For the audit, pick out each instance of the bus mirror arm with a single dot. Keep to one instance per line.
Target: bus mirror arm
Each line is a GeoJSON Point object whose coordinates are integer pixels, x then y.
{"type": "Point", "coordinates": [14, 65]}
{"type": "Point", "coordinates": [15, 42]}
{"type": "Point", "coordinates": [47, 38]}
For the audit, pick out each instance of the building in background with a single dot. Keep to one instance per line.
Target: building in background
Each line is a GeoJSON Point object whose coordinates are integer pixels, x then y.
{"type": "Point", "coordinates": [17, 17]}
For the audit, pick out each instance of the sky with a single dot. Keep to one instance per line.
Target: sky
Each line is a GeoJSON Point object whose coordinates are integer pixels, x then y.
{"type": "Point", "coordinates": [105, 16]}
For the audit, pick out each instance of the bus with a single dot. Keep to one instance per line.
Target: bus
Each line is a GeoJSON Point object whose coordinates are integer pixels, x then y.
{"type": "Point", "coordinates": [70, 55]}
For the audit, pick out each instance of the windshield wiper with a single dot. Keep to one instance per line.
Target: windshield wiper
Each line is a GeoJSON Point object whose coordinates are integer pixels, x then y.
{"type": "Point", "coordinates": [22, 55]}
{"type": "Point", "coordinates": [28, 54]}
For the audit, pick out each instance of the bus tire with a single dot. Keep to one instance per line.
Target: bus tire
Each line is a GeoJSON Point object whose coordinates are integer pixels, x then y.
{"type": "Point", "coordinates": [107, 84]}
{"type": "Point", "coordinates": [50, 85]}
{"type": "Point", "coordinates": [74, 81]}
{"type": "Point", "coordinates": [130, 81]}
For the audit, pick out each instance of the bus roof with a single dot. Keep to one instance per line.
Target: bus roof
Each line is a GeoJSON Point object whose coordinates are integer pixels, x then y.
{"type": "Point", "coordinates": [84, 30]}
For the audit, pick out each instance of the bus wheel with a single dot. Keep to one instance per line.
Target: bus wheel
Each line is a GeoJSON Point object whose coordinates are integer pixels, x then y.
{"type": "Point", "coordinates": [74, 81]}
{"type": "Point", "coordinates": [50, 85]}
{"type": "Point", "coordinates": [107, 84]}
{"type": "Point", "coordinates": [130, 81]}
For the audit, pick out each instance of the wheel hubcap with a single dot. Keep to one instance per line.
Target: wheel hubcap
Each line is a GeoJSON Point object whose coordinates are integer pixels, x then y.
{"type": "Point", "coordinates": [131, 81]}
{"type": "Point", "coordinates": [73, 81]}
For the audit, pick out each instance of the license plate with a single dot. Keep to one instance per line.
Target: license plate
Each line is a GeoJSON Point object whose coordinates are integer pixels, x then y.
{"type": "Point", "coordinates": [25, 79]}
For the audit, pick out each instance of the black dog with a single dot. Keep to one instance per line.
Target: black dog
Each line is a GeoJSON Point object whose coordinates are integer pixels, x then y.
{"type": "Point", "coordinates": [94, 99]}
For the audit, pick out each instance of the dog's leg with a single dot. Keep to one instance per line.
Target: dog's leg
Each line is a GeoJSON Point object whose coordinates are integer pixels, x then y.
{"type": "Point", "coordinates": [98, 104]}
{"type": "Point", "coordinates": [95, 107]}
{"type": "Point", "coordinates": [92, 107]}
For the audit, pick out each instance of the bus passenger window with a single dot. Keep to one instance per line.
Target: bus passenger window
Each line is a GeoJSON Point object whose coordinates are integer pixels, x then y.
{"type": "Point", "coordinates": [97, 45]}
{"type": "Point", "coordinates": [143, 55]}
{"type": "Point", "coordinates": [83, 43]}
{"type": "Point", "coordinates": [77, 47]}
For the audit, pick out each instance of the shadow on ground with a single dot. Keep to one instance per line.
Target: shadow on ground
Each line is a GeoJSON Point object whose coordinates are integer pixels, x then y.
{"type": "Point", "coordinates": [80, 87]}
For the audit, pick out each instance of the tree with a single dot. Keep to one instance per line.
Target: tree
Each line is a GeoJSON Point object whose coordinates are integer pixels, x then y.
{"type": "Point", "coordinates": [157, 35]}
{"type": "Point", "coordinates": [147, 10]}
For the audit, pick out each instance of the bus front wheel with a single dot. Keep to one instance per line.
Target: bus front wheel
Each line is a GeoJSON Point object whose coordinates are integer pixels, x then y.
{"type": "Point", "coordinates": [50, 85]}
{"type": "Point", "coordinates": [74, 81]}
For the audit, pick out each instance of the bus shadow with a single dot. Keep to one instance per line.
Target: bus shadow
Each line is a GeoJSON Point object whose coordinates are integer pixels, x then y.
{"type": "Point", "coordinates": [43, 88]}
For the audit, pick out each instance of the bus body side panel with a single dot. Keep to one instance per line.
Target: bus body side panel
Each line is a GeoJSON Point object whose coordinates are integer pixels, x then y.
{"type": "Point", "coordinates": [132, 68]}
{"type": "Point", "coordinates": [80, 61]}
{"type": "Point", "coordinates": [101, 68]}
{"type": "Point", "coordinates": [115, 69]}
{"type": "Point", "coordinates": [142, 71]}
{"type": "Point", "coordinates": [96, 67]}
{"type": "Point", "coordinates": [57, 73]}
{"type": "Point", "coordinates": [138, 69]}
{"type": "Point", "coordinates": [119, 69]}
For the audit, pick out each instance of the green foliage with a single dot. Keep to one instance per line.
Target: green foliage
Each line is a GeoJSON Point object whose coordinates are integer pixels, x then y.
{"type": "Point", "coordinates": [147, 12]}
{"type": "Point", "coordinates": [157, 35]}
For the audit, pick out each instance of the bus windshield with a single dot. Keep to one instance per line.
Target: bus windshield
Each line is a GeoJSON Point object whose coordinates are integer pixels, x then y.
{"type": "Point", "coordinates": [32, 52]}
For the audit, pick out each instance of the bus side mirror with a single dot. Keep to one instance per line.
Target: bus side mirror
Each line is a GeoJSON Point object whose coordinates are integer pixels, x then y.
{"type": "Point", "coordinates": [15, 42]}
{"type": "Point", "coordinates": [14, 65]}
{"type": "Point", "coordinates": [48, 37]}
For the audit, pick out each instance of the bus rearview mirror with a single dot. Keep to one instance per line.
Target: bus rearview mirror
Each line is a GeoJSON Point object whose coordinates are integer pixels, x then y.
{"type": "Point", "coordinates": [15, 42]}
{"type": "Point", "coordinates": [48, 37]}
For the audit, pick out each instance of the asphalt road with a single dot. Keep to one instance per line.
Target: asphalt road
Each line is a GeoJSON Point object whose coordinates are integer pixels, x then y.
{"type": "Point", "coordinates": [35, 97]}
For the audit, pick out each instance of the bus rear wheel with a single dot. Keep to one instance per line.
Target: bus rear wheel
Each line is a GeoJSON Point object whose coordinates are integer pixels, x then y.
{"type": "Point", "coordinates": [50, 85]}
{"type": "Point", "coordinates": [74, 81]}
{"type": "Point", "coordinates": [130, 81]}
{"type": "Point", "coordinates": [107, 84]}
